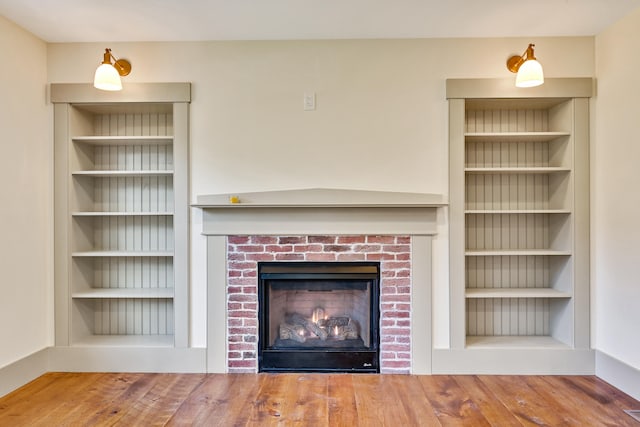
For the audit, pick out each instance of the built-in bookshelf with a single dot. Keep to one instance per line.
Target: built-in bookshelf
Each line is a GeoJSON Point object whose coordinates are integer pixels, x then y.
{"type": "Point", "coordinates": [121, 226]}
{"type": "Point", "coordinates": [519, 198]}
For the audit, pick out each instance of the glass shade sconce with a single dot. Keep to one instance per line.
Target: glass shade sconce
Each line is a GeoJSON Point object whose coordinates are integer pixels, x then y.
{"type": "Point", "coordinates": [528, 69]}
{"type": "Point", "coordinates": [108, 74]}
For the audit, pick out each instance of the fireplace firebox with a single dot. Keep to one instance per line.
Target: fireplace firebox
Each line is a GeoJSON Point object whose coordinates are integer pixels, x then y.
{"type": "Point", "coordinates": [318, 316]}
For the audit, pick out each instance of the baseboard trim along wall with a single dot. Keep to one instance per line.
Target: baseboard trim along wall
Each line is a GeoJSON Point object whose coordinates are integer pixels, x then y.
{"type": "Point", "coordinates": [618, 374]}
{"type": "Point", "coordinates": [127, 359]}
{"type": "Point", "coordinates": [23, 371]}
{"type": "Point", "coordinates": [525, 361]}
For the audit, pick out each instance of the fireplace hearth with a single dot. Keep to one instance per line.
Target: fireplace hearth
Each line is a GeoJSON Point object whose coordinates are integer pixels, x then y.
{"type": "Point", "coordinates": [318, 316]}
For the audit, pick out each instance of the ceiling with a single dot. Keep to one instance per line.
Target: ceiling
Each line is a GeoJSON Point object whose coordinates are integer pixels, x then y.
{"type": "Point", "coordinates": [191, 20]}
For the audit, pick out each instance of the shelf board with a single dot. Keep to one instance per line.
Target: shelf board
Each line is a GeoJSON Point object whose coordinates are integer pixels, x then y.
{"type": "Point", "coordinates": [521, 170]}
{"type": "Point", "coordinates": [112, 293]}
{"type": "Point", "coordinates": [125, 341]}
{"type": "Point", "coordinates": [514, 136]}
{"type": "Point", "coordinates": [87, 254]}
{"type": "Point", "coordinates": [124, 140]}
{"type": "Point", "coordinates": [514, 342]}
{"type": "Point", "coordinates": [119, 174]}
{"type": "Point", "coordinates": [516, 211]}
{"type": "Point", "coordinates": [515, 293]}
{"type": "Point", "coordinates": [515, 252]}
{"type": "Point", "coordinates": [98, 214]}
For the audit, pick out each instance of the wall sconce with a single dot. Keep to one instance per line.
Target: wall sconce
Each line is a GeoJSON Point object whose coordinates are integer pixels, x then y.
{"type": "Point", "coordinates": [528, 68]}
{"type": "Point", "coordinates": [108, 74]}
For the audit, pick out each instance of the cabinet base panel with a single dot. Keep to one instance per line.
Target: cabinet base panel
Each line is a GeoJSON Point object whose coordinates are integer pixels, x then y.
{"type": "Point", "coordinates": [513, 361]}
{"type": "Point", "coordinates": [127, 359]}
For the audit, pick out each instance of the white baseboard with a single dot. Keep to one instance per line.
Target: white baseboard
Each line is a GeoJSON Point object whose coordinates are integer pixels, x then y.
{"type": "Point", "coordinates": [128, 359]}
{"type": "Point", "coordinates": [618, 374]}
{"type": "Point", "coordinates": [23, 371]}
{"type": "Point", "coordinates": [513, 362]}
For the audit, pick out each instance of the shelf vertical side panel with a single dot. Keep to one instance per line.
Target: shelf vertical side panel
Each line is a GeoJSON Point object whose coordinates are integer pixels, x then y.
{"type": "Point", "coordinates": [457, 316]}
{"type": "Point", "coordinates": [581, 225]}
{"type": "Point", "coordinates": [61, 224]}
{"type": "Point", "coordinates": [181, 223]}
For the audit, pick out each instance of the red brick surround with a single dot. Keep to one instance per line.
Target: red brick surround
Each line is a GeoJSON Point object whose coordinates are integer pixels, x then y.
{"type": "Point", "coordinates": [393, 252]}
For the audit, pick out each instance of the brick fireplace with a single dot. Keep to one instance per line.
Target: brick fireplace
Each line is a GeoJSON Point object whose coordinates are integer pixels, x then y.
{"type": "Point", "coordinates": [393, 253]}
{"type": "Point", "coordinates": [395, 229]}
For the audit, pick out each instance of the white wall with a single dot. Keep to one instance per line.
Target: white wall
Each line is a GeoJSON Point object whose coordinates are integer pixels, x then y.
{"type": "Point", "coordinates": [380, 122]}
{"type": "Point", "coordinates": [26, 203]}
{"type": "Point", "coordinates": [615, 196]}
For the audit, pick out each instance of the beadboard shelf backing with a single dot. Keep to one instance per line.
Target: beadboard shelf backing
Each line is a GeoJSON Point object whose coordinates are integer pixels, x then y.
{"type": "Point", "coordinates": [122, 187]}
{"type": "Point", "coordinates": [519, 200]}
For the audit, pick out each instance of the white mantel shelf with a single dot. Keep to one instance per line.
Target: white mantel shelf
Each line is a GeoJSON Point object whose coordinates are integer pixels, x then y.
{"type": "Point", "coordinates": [318, 210]}
{"type": "Point", "coordinates": [320, 197]}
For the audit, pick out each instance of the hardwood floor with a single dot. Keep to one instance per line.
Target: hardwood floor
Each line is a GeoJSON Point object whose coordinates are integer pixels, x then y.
{"type": "Point", "coordinates": [102, 399]}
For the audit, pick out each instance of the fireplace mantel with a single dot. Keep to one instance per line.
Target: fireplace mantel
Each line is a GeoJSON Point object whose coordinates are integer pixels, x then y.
{"type": "Point", "coordinates": [320, 197]}
{"type": "Point", "coordinates": [322, 211]}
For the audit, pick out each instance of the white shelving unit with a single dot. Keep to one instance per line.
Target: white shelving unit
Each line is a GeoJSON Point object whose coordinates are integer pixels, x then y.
{"type": "Point", "coordinates": [519, 217]}
{"type": "Point", "coordinates": [121, 216]}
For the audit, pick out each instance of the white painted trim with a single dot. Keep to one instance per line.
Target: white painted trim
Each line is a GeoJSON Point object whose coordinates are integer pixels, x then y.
{"type": "Point", "coordinates": [618, 374]}
{"type": "Point", "coordinates": [513, 361]}
{"type": "Point", "coordinates": [320, 197]}
{"type": "Point", "coordinates": [421, 260]}
{"type": "Point", "coordinates": [127, 359]}
{"type": "Point", "coordinates": [319, 220]}
{"type": "Point", "coordinates": [217, 304]}
{"type": "Point", "coordinates": [573, 87]}
{"type": "Point", "coordinates": [23, 371]}
{"type": "Point", "coordinates": [131, 92]}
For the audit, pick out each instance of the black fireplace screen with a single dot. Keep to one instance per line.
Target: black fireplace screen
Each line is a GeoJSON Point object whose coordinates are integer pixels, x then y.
{"type": "Point", "coordinates": [318, 316]}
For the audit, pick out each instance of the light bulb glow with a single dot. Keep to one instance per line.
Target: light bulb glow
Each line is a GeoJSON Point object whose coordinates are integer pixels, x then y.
{"type": "Point", "coordinates": [530, 74]}
{"type": "Point", "coordinates": [107, 78]}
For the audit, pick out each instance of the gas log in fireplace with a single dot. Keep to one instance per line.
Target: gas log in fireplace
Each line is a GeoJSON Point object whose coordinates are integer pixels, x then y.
{"type": "Point", "coordinates": [318, 317]}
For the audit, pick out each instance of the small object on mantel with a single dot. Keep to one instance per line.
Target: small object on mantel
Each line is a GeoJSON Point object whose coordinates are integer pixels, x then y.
{"type": "Point", "coordinates": [234, 199]}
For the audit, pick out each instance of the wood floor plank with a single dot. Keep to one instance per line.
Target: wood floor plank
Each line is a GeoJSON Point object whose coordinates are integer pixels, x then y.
{"type": "Point", "coordinates": [414, 401]}
{"type": "Point", "coordinates": [526, 404]}
{"type": "Point", "coordinates": [492, 409]}
{"type": "Point", "coordinates": [209, 400]}
{"type": "Point", "coordinates": [274, 400]}
{"type": "Point", "coordinates": [161, 401]}
{"type": "Point", "coordinates": [376, 401]}
{"type": "Point", "coordinates": [35, 409]}
{"type": "Point", "coordinates": [111, 412]}
{"type": "Point", "coordinates": [603, 392]}
{"type": "Point", "coordinates": [238, 407]}
{"type": "Point", "coordinates": [83, 402]}
{"type": "Point", "coordinates": [342, 408]}
{"type": "Point", "coordinates": [560, 389]}
{"type": "Point", "coordinates": [31, 389]}
{"type": "Point", "coordinates": [451, 403]}
{"type": "Point", "coordinates": [311, 401]}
